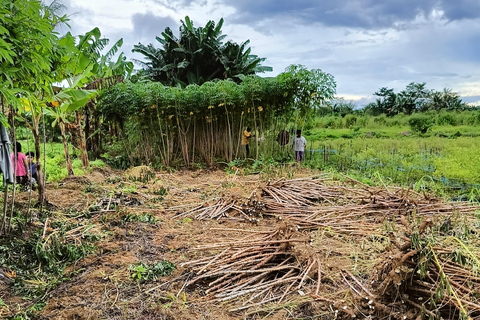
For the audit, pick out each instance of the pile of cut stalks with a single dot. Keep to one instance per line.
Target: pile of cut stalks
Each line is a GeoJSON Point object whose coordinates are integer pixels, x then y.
{"type": "Point", "coordinates": [329, 249]}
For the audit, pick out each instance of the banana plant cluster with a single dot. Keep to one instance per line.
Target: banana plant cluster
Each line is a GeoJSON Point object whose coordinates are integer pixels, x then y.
{"type": "Point", "coordinates": [198, 55]}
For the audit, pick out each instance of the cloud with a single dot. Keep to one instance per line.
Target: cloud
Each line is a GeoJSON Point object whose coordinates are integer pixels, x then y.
{"type": "Point", "coordinates": [146, 26]}
{"type": "Point", "coordinates": [370, 14]}
{"type": "Point", "coordinates": [473, 100]}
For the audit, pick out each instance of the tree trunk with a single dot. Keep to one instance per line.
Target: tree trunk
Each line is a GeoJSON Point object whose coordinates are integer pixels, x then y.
{"type": "Point", "coordinates": [65, 148]}
{"type": "Point", "coordinates": [41, 184]}
{"type": "Point", "coordinates": [82, 143]}
{"type": "Point", "coordinates": [88, 144]}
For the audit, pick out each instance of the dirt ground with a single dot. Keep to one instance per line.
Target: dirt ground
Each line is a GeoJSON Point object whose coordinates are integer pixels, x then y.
{"type": "Point", "coordinates": [101, 285]}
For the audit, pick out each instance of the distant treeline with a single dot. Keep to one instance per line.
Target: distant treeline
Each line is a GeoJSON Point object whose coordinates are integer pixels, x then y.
{"type": "Point", "coordinates": [413, 99]}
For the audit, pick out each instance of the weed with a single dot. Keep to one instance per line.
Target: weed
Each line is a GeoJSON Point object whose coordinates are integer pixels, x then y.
{"type": "Point", "coordinates": [161, 192]}
{"type": "Point", "coordinates": [157, 199]}
{"type": "Point", "coordinates": [130, 189]}
{"type": "Point", "coordinates": [144, 217]}
{"type": "Point", "coordinates": [114, 179]}
{"type": "Point", "coordinates": [144, 272]}
{"type": "Point", "coordinates": [91, 188]}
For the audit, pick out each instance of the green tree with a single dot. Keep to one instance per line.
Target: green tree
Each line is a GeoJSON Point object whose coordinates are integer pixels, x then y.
{"type": "Point", "coordinates": [29, 50]}
{"type": "Point", "coordinates": [384, 104]}
{"type": "Point", "coordinates": [445, 99]}
{"type": "Point", "coordinates": [197, 56]}
{"type": "Point", "coordinates": [414, 98]}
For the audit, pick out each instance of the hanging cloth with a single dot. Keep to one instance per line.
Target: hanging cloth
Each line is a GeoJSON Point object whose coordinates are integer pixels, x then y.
{"type": "Point", "coordinates": [5, 161]}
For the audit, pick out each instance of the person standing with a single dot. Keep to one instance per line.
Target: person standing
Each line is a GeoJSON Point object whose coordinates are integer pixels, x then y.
{"type": "Point", "coordinates": [247, 135]}
{"type": "Point", "coordinates": [32, 166]}
{"type": "Point", "coordinates": [299, 144]}
{"type": "Point", "coordinates": [20, 166]}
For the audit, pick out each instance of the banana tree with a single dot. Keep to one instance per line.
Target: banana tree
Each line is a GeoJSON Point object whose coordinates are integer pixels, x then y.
{"type": "Point", "coordinates": [97, 71]}
{"type": "Point", "coordinates": [65, 104]}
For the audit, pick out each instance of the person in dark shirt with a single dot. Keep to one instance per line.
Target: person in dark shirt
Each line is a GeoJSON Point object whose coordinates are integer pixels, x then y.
{"type": "Point", "coordinates": [32, 166]}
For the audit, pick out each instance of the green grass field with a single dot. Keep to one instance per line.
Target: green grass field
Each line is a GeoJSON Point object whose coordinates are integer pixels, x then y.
{"type": "Point", "coordinates": [447, 156]}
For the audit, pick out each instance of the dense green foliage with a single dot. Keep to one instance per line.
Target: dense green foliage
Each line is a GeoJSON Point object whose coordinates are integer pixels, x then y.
{"type": "Point", "coordinates": [164, 125]}
{"type": "Point", "coordinates": [198, 55]}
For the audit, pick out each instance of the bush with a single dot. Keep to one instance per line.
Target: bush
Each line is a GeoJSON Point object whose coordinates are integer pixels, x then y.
{"type": "Point", "coordinates": [420, 123]}
{"type": "Point", "coordinates": [350, 120]}
{"type": "Point", "coordinates": [446, 119]}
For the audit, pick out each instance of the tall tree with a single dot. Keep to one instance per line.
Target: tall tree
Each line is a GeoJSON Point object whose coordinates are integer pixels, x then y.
{"type": "Point", "coordinates": [197, 56]}
{"type": "Point", "coordinates": [29, 48]}
{"type": "Point", "coordinates": [412, 99]}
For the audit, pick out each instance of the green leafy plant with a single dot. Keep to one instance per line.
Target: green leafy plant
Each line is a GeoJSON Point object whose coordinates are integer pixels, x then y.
{"type": "Point", "coordinates": [144, 217]}
{"type": "Point", "coordinates": [144, 272]}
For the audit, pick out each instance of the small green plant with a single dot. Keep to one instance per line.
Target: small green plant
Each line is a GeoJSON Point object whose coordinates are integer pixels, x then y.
{"type": "Point", "coordinates": [91, 188]}
{"type": "Point", "coordinates": [161, 192]}
{"type": "Point", "coordinates": [144, 272]}
{"type": "Point", "coordinates": [114, 179]}
{"type": "Point", "coordinates": [130, 189]}
{"type": "Point", "coordinates": [234, 165]}
{"type": "Point", "coordinates": [144, 217]}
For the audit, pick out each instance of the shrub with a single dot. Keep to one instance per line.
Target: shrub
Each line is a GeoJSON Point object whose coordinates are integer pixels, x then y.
{"type": "Point", "coordinates": [446, 119]}
{"type": "Point", "coordinates": [420, 123]}
{"type": "Point", "coordinates": [350, 120]}
{"type": "Point", "coordinates": [381, 120]}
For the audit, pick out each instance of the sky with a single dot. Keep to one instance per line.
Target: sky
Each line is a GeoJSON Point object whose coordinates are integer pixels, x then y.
{"type": "Point", "coordinates": [364, 44]}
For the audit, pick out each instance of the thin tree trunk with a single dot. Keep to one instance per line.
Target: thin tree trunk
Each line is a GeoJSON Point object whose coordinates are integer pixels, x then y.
{"type": "Point", "coordinates": [193, 142]}
{"type": "Point", "coordinates": [82, 144]}
{"type": "Point", "coordinates": [15, 164]}
{"type": "Point", "coordinates": [88, 142]}
{"type": "Point", "coordinates": [65, 148]}
{"type": "Point", "coordinates": [255, 122]}
{"type": "Point", "coordinates": [41, 182]}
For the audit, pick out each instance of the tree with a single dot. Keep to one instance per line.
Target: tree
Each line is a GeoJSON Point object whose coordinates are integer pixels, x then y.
{"type": "Point", "coordinates": [197, 56]}
{"type": "Point", "coordinates": [89, 70]}
{"type": "Point", "coordinates": [445, 99]}
{"type": "Point", "coordinates": [29, 48]}
{"type": "Point", "coordinates": [414, 98]}
{"type": "Point", "coordinates": [67, 102]}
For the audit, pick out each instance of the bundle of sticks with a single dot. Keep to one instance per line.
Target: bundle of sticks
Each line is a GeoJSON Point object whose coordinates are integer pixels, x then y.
{"type": "Point", "coordinates": [437, 275]}
{"type": "Point", "coordinates": [363, 209]}
{"type": "Point", "coordinates": [221, 208]}
{"type": "Point", "coordinates": [263, 268]}
{"type": "Point", "coordinates": [300, 192]}
{"type": "Point", "coordinates": [230, 207]}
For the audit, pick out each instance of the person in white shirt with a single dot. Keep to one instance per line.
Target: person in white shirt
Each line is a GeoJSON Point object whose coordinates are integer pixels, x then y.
{"type": "Point", "coordinates": [299, 144]}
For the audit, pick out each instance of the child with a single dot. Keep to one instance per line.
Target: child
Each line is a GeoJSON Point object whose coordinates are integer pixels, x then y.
{"type": "Point", "coordinates": [21, 167]}
{"type": "Point", "coordinates": [32, 168]}
{"type": "Point", "coordinates": [299, 144]}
